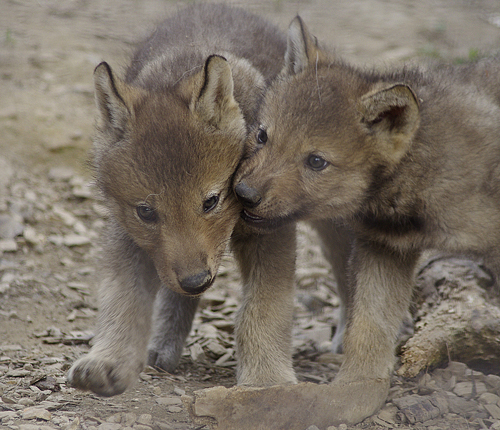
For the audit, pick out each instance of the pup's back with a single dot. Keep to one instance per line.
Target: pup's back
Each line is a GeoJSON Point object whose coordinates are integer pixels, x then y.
{"type": "Point", "coordinates": [181, 43]}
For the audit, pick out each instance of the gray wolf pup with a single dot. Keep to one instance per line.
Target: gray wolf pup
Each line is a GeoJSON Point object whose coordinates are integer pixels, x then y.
{"type": "Point", "coordinates": [169, 138]}
{"type": "Point", "coordinates": [385, 165]}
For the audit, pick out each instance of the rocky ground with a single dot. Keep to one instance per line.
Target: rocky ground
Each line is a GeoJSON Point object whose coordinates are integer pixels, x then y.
{"type": "Point", "coordinates": [50, 221]}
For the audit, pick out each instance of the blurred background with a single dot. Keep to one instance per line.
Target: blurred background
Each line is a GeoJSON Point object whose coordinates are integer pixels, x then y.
{"type": "Point", "coordinates": [48, 49]}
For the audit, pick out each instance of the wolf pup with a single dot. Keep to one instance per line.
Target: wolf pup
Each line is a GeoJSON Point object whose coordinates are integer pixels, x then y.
{"type": "Point", "coordinates": [385, 166]}
{"type": "Point", "coordinates": [169, 138]}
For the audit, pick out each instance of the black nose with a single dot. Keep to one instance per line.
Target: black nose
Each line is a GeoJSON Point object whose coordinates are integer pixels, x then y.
{"type": "Point", "coordinates": [248, 196]}
{"type": "Point", "coordinates": [197, 284]}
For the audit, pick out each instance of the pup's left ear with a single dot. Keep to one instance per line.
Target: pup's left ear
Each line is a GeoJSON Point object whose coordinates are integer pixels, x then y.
{"type": "Point", "coordinates": [302, 48]}
{"type": "Point", "coordinates": [215, 103]}
{"type": "Point", "coordinates": [391, 116]}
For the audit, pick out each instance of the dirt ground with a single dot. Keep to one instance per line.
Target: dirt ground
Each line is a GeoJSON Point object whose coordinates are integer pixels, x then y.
{"type": "Point", "coordinates": [50, 221]}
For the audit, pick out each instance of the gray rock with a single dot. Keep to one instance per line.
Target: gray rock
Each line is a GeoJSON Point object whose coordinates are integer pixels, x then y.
{"type": "Point", "coordinates": [36, 413]}
{"type": "Point", "coordinates": [8, 245]}
{"type": "Point", "coordinates": [459, 405]}
{"type": "Point", "coordinates": [71, 240]}
{"type": "Point", "coordinates": [109, 426]}
{"type": "Point", "coordinates": [61, 173]}
{"type": "Point", "coordinates": [493, 410]}
{"type": "Point", "coordinates": [129, 419]}
{"type": "Point", "coordinates": [10, 226]}
{"type": "Point", "coordinates": [493, 381]}
{"type": "Point", "coordinates": [489, 398]}
{"type": "Point", "coordinates": [146, 419]}
{"type": "Point", "coordinates": [174, 400]}
{"type": "Point", "coordinates": [34, 427]}
{"type": "Point", "coordinates": [141, 427]}
{"type": "Point", "coordinates": [470, 388]}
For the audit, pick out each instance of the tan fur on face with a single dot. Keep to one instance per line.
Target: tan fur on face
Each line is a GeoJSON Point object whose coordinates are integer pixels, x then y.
{"type": "Point", "coordinates": [203, 133]}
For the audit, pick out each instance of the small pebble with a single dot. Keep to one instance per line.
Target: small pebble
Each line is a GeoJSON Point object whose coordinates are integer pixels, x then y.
{"type": "Point", "coordinates": [179, 391]}
{"type": "Point", "coordinates": [10, 226]}
{"type": "Point", "coordinates": [115, 418]}
{"type": "Point", "coordinates": [61, 173]}
{"type": "Point", "coordinates": [129, 419]}
{"type": "Point", "coordinates": [74, 425]}
{"type": "Point", "coordinates": [174, 409]}
{"type": "Point", "coordinates": [493, 410]}
{"type": "Point", "coordinates": [26, 401]}
{"type": "Point", "coordinates": [109, 426]}
{"type": "Point", "coordinates": [36, 413]}
{"type": "Point", "coordinates": [466, 389]}
{"type": "Point", "coordinates": [493, 381]}
{"type": "Point", "coordinates": [489, 398]}
{"type": "Point", "coordinates": [8, 245]}
{"type": "Point", "coordinates": [72, 240]}
{"type": "Point", "coordinates": [169, 401]}
{"type": "Point", "coordinates": [146, 419]}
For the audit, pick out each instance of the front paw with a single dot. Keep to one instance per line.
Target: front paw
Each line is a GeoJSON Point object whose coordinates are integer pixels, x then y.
{"type": "Point", "coordinates": [165, 359]}
{"type": "Point", "coordinates": [103, 376]}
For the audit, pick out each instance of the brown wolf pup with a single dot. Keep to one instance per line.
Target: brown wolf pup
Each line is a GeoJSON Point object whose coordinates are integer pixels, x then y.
{"type": "Point", "coordinates": [385, 165]}
{"type": "Point", "coordinates": [169, 138]}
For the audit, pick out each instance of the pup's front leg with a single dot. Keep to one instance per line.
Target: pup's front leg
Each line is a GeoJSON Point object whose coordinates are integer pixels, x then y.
{"type": "Point", "coordinates": [264, 322]}
{"type": "Point", "coordinates": [337, 241]}
{"type": "Point", "coordinates": [173, 318]}
{"type": "Point", "coordinates": [382, 282]}
{"type": "Point", "coordinates": [127, 294]}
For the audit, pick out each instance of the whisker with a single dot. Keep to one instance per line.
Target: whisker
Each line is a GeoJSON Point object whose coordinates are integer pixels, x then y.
{"type": "Point", "coordinates": [317, 80]}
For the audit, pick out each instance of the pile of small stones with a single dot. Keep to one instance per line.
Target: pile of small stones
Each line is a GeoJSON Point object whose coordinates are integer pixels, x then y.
{"type": "Point", "coordinates": [58, 217]}
{"type": "Point", "coordinates": [34, 396]}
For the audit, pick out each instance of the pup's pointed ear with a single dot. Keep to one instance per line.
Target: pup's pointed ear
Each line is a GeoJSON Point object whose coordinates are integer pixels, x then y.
{"type": "Point", "coordinates": [111, 96]}
{"type": "Point", "coordinates": [302, 48]}
{"type": "Point", "coordinates": [215, 103]}
{"type": "Point", "coordinates": [391, 116]}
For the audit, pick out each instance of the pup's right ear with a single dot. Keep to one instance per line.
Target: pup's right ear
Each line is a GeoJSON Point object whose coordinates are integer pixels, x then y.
{"type": "Point", "coordinates": [111, 96]}
{"type": "Point", "coordinates": [390, 116]}
{"type": "Point", "coordinates": [302, 48]}
{"type": "Point", "coordinates": [215, 104]}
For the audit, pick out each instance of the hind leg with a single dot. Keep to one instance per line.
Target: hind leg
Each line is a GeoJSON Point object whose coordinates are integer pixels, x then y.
{"type": "Point", "coordinates": [336, 243]}
{"type": "Point", "coordinates": [172, 322]}
{"type": "Point", "coordinates": [264, 321]}
{"type": "Point", "coordinates": [127, 294]}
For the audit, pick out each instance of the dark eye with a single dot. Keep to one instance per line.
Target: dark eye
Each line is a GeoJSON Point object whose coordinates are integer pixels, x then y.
{"type": "Point", "coordinates": [262, 136]}
{"type": "Point", "coordinates": [317, 163]}
{"type": "Point", "coordinates": [146, 213]}
{"type": "Point", "coordinates": [210, 203]}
